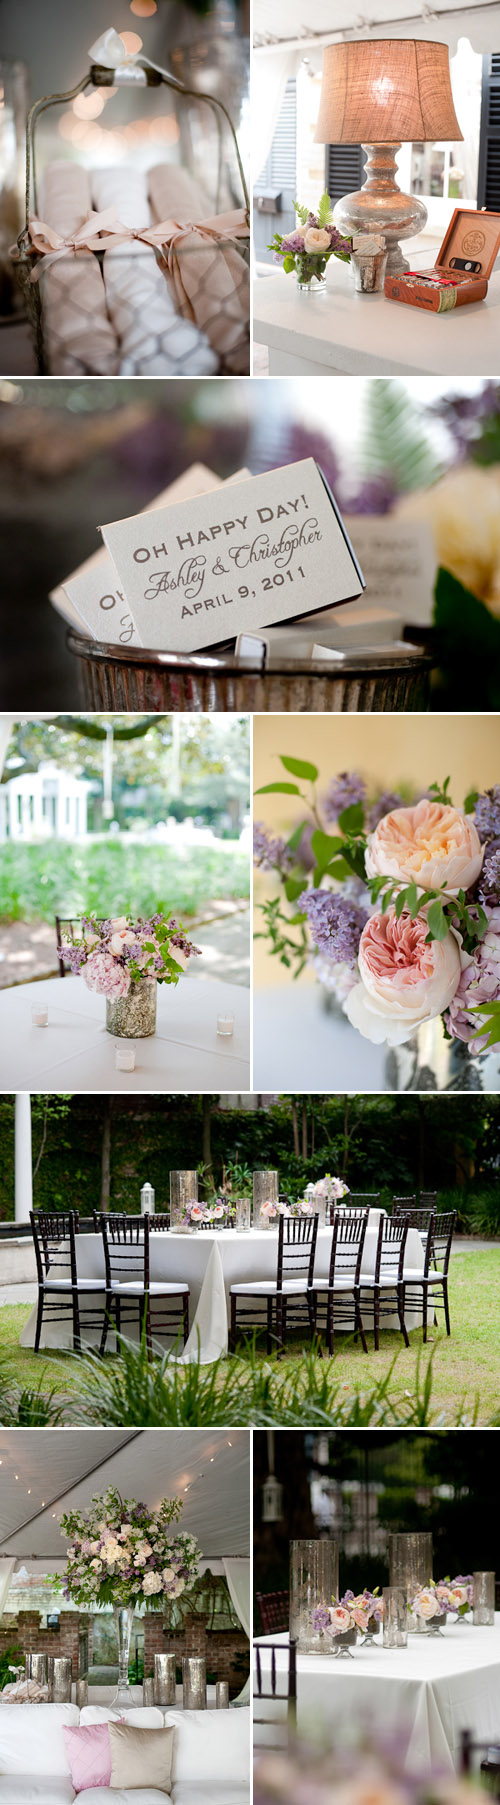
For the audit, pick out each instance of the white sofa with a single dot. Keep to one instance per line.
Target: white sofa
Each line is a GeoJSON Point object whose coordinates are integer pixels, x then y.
{"type": "Point", "coordinates": [211, 1761]}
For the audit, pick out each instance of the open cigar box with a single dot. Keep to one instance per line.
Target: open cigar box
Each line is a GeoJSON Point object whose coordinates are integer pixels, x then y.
{"type": "Point", "coordinates": [463, 264]}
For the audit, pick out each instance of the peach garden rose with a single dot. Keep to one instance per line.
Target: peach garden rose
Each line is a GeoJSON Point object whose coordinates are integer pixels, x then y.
{"type": "Point", "coordinates": [403, 980]}
{"type": "Point", "coordinates": [432, 844]}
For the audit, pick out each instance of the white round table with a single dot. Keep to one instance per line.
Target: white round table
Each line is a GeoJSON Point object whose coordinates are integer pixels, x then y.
{"type": "Point", "coordinates": [75, 1052]}
{"type": "Point", "coordinates": [431, 1690]}
{"type": "Point", "coordinates": [209, 1261]}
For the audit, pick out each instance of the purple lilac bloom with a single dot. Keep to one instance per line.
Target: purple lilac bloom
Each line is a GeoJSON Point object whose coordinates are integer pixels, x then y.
{"type": "Point", "coordinates": [292, 245]}
{"type": "Point", "coordinates": [376, 495]}
{"type": "Point", "coordinates": [487, 814]}
{"type": "Point", "coordinates": [321, 1618]}
{"type": "Point", "coordinates": [479, 983]}
{"type": "Point", "coordinates": [335, 924]}
{"type": "Point", "coordinates": [383, 806]}
{"type": "Point", "coordinates": [271, 854]}
{"type": "Point", "coordinates": [345, 789]}
{"type": "Point", "coordinates": [488, 887]}
{"type": "Point", "coordinates": [337, 241]}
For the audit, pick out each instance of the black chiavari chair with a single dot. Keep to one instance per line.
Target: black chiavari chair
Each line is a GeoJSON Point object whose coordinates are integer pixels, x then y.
{"type": "Point", "coordinates": [287, 1293]}
{"type": "Point", "coordinates": [341, 1291]}
{"type": "Point", "coordinates": [129, 1286]}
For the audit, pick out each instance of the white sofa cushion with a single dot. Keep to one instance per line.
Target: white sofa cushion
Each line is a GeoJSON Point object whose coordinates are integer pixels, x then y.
{"type": "Point", "coordinates": [143, 1717]}
{"type": "Point", "coordinates": [210, 1795]}
{"type": "Point", "coordinates": [31, 1739]}
{"type": "Point", "coordinates": [137, 1795]}
{"type": "Point", "coordinates": [25, 1789]}
{"type": "Point", "coordinates": [211, 1748]}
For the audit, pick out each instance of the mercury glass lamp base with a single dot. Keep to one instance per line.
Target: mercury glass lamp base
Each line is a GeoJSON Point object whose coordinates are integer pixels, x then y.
{"type": "Point", "coordinates": [381, 207]}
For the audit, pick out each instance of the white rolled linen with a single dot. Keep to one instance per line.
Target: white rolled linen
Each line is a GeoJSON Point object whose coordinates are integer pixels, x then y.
{"type": "Point", "coordinates": [78, 336]}
{"type": "Point", "coordinates": [174, 194]}
{"type": "Point", "coordinates": [153, 338]}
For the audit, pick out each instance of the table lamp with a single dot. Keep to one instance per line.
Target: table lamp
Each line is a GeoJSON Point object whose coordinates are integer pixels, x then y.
{"type": "Point", "coordinates": [381, 93]}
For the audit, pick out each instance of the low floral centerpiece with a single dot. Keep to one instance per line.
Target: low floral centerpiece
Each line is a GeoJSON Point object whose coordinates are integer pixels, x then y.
{"type": "Point", "coordinates": [308, 250]}
{"type": "Point", "coordinates": [428, 1605]}
{"type": "Point", "coordinates": [324, 1193]}
{"type": "Point", "coordinates": [123, 1554]}
{"type": "Point", "coordinates": [358, 1765]}
{"type": "Point", "coordinates": [338, 1623]}
{"type": "Point", "coordinates": [124, 960]}
{"type": "Point", "coordinates": [456, 1596]}
{"type": "Point", "coordinates": [395, 907]}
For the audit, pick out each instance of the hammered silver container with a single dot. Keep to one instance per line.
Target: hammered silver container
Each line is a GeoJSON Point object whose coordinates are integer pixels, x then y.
{"type": "Point", "coordinates": [484, 1599]}
{"type": "Point", "coordinates": [35, 1667]}
{"type": "Point", "coordinates": [164, 1679]}
{"type": "Point", "coordinates": [266, 1189]}
{"type": "Point", "coordinates": [82, 1693]}
{"type": "Point", "coordinates": [121, 679]}
{"type": "Point", "coordinates": [222, 1695]}
{"type": "Point", "coordinates": [60, 1679]}
{"type": "Point", "coordinates": [314, 1581]}
{"type": "Point", "coordinates": [194, 1683]}
{"type": "Point", "coordinates": [133, 1017]}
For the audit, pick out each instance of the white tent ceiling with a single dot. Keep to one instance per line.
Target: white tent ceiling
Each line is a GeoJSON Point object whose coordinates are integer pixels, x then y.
{"type": "Point", "coordinates": [46, 1472]}
{"type": "Point", "coordinates": [300, 23]}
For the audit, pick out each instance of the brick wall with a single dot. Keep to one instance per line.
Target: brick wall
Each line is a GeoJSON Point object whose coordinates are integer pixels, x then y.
{"type": "Point", "coordinates": [219, 1648]}
{"type": "Point", "coordinates": [24, 1631]}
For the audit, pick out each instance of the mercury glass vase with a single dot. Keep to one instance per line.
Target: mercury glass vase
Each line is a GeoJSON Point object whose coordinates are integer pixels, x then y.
{"type": "Point", "coordinates": [133, 1017]}
{"type": "Point", "coordinates": [395, 1620]}
{"type": "Point", "coordinates": [60, 1672]}
{"type": "Point", "coordinates": [265, 1190]}
{"type": "Point", "coordinates": [183, 1193]}
{"type": "Point", "coordinates": [124, 1617]}
{"type": "Point", "coordinates": [165, 1668]}
{"type": "Point", "coordinates": [410, 1566]}
{"type": "Point", "coordinates": [484, 1599]}
{"type": "Point", "coordinates": [194, 1683]}
{"type": "Point", "coordinates": [314, 1580]}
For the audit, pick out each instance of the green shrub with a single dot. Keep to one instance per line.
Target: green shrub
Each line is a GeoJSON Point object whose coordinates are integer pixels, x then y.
{"type": "Point", "coordinates": [115, 876]}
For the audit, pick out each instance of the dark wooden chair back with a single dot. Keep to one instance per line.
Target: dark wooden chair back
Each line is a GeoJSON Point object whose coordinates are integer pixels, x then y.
{"type": "Point", "coordinates": [274, 1612]}
{"type": "Point", "coordinates": [54, 1233]}
{"type": "Point", "coordinates": [126, 1249]}
{"type": "Point", "coordinates": [400, 1205]}
{"type": "Point", "coordinates": [268, 1690]}
{"type": "Point", "coordinates": [348, 1240]}
{"type": "Point", "coordinates": [68, 928]}
{"type": "Point", "coordinates": [442, 1238]}
{"type": "Point", "coordinates": [297, 1236]}
{"type": "Point", "coordinates": [391, 1246]}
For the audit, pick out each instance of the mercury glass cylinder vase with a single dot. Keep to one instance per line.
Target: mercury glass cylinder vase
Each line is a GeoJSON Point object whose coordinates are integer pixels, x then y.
{"type": "Point", "coordinates": [314, 1580]}
{"type": "Point", "coordinates": [484, 1599]}
{"type": "Point", "coordinates": [82, 1692]}
{"type": "Point", "coordinates": [35, 1667]}
{"type": "Point", "coordinates": [222, 1695]}
{"type": "Point", "coordinates": [410, 1560]}
{"type": "Point", "coordinates": [148, 1690]}
{"type": "Point", "coordinates": [242, 1214]}
{"type": "Point", "coordinates": [60, 1671]}
{"type": "Point", "coordinates": [124, 1617]}
{"type": "Point", "coordinates": [133, 1017]}
{"type": "Point", "coordinates": [183, 1193]}
{"type": "Point", "coordinates": [164, 1679]}
{"type": "Point", "coordinates": [265, 1190]}
{"type": "Point", "coordinates": [395, 1619]}
{"type": "Point", "coordinates": [194, 1683]}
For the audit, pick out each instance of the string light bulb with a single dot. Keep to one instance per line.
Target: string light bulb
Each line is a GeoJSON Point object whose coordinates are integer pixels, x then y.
{"type": "Point", "coordinates": [131, 42]}
{"type": "Point", "coordinates": [144, 9]}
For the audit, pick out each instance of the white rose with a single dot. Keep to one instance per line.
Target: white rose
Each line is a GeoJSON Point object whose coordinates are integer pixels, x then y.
{"type": "Point", "coordinates": [152, 1583]}
{"type": "Point", "coordinates": [317, 240]}
{"type": "Point", "coordinates": [433, 844]}
{"type": "Point", "coordinates": [427, 1605]}
{"type": "Point", "coordinates": [118, 941]}
{"type": "Point", "coordinates": [119, 921]}
{"type": "Point", "coordinates": [404, 982]}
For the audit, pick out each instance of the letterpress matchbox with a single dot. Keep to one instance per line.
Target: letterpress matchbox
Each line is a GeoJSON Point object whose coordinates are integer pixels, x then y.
{"type": "Point", "coordinates": [270, 549]}
{"type": "Point", "coordinates": [462, 268]}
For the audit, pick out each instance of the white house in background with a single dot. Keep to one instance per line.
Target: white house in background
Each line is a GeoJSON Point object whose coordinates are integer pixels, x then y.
{"type": "Point", "coordinates": [41, 804]}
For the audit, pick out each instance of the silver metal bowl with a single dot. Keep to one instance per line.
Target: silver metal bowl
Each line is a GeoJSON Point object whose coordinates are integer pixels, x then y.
{"type": "Point", "coordinates": [125, 679]}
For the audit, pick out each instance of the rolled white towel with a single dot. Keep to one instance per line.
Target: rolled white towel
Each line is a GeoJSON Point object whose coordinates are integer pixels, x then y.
{"type": "Point", "coordinates": [174, 194]}
{"type": "Point", "coordinates": [78, 335]}
{"type": "Point", "coordinates": [153, 338]}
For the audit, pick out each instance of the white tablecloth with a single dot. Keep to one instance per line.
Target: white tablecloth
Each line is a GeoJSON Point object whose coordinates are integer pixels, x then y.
{"type": "Point", "coordinates": [75, 1052]}
{"type": "Point", "coordinates": [298, 1045]}
{"type": "Point", "coordinates": [433, 1689]}
{"type": "Point", "coordinates": [209, 1262]}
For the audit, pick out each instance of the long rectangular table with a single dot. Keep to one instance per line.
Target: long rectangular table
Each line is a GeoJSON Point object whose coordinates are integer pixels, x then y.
{"type": "Point", "coordinates": [431, 1690]}
{"type": "Point", "coordinates": [209, 1262]}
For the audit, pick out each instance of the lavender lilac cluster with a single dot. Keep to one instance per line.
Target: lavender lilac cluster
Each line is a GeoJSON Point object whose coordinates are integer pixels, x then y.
{"type": "Point", "coordinates": [345, 789]}
{"type": "Point", "coordinates": [294, 246]}
{"type": "Point", "coordinates": [336, 924]}
{"type": "Point", "coordinates": [270, 852]}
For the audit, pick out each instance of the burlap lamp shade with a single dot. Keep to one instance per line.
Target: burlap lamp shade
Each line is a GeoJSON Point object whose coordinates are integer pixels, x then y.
{"type": "Point", "coordinates": [385, 92]}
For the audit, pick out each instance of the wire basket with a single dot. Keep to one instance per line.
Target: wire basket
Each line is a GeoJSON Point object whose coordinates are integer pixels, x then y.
{"type": "Point", "coordinates": [192, 315]}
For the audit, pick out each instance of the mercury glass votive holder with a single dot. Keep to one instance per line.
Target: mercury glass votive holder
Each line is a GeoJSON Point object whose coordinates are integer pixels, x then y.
{"type": "Point", "coordinates": [35, 1667]}
{"type": "Point", "coordinates": [148, 1691]}
{"type": "Point", "coordinates": [60, 1669]}
{"type": "Point", "coordinates": [314, 1580]}
{"type": "Point", "coordinates": [484, 1599]}
{"type": "Point", "coordinates": [243, 1213]}
{"type": "Point", "coordinates": [164, 1679]}
{"type": "Point", "coordinates": [194, 1683]}
{"type": "Point", "coordinates": [222, 1695]}
{"type": "Point", "coordinates": [395, 1619]}
{"type": "Point", "coordinates": [265, 1190]}
{"type": "Point", "coordinates": [82, 1692]}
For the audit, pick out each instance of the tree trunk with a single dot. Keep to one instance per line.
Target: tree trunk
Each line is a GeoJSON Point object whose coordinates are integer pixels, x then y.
{"type": "Point", "coordinates": [207, 1126]}
{"type": "Point", "coordinates": [421, 1143]}
{"type": "Point", "coordinates": [346, 1136]}
{"type": "Point", "coordinates": [295, 1126]}
{"type": "Point", "coordinates": [304, 1128]}
{"type": "Point", "coordinates": [106, 1156]}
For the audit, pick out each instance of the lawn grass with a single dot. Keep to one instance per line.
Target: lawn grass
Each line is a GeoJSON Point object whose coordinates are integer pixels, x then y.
{"type": "Point", "coordinates": [465, 1369]}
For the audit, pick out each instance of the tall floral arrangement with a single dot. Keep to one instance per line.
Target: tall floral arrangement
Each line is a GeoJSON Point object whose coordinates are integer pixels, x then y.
{"type": "Point", "coordinates": [114, 954]}
{"type": "Point", "coordinates": [397, 909]}
{"type": "Point", "coordinates": [122, 1553]}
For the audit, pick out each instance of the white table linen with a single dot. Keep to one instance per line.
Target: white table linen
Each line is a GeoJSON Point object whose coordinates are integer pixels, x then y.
{"type": "Point", "coordinates": [299, 1046]}
{"type": "Point", "coordinates": [209, 1261]}
{"type": "Point", "coordinates": [367, 335]}
{"type": "Point", "coordinates": [75, 1052]}
{"type": "Point", "coordinates": [433, 1689]}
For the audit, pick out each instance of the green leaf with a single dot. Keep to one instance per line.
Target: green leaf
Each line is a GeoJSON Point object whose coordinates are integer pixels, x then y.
{"type": "Point", "coordinates": [470, 802]}
{"type": "Point", "coordinates": [302, 212]}
{"type": "Point", "coordinates": [400, 903]}
{"type": "Point", "coordinates": [440, 792]}
{"type": "Point", "coordinates": [288, 263]}
{"type": "Point", "coordinates": [280, 789]}
{"type": "Point", "coordinates": [296, 837]}
{"type": "Point", "coordinates": [469, 647]}
{"type": "Point", "coordinates": [491, 1012]}
{"type": "Point", "coordinates": [338, 869]}
{"type": "Point", "coordinates": [352, 819]}
{"type": "Point", "coordinates": [325, 211]}
{"type": "Point", "coordinates": [300, 768]}
{"type": "Point", "coordinates": [293, 888]}
{"type": "Point", "coordinates": [324, 846]}
{"type": "Point", "coordinates": [437, 922]}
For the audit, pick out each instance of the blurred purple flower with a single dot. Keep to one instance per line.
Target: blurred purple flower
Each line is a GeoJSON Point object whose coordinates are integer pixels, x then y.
{"type": "Point", "coordinates": [292, 244]}
{"type": "Point", "coordinates": [383, 806]}
{"type": "Point", "coordinates": [479, 983]}
{"type": "Point", "coordinates": [488, 887]}
{"type": "Point", "coordinates": [335, 924]}
{"type": "Point", "coordinates": [375, 496]}
{"type": "Point", "coordinates": [271, 854]}
{"type": "Point", "coordinates": [487, 814]}
{"type": "Point", "coordinates": [345, 789]}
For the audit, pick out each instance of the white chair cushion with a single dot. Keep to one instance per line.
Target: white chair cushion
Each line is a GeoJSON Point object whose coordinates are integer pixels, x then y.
{"type": "Point", "coordinates": [346, 1283]}
{"type": "Point", "coordinates": [267, 1288]}
{"type": "Point", "coordinates": [209, 1795]}
{"type": "Point", "coordinates": [117, 1795]}
{"type": "Point", "coordinates": [135, 1287]}
{"type": "Point", "coordinates": [31, 1739]}
{"type": "Point", "coordinates": [26, 1789]}
{"type": "Point", "coordinates": [143, 1717]}
{"type": "Point", "coordinates": [413, 1272]}
{"type": "Point", "coordinates": [211, 1749]}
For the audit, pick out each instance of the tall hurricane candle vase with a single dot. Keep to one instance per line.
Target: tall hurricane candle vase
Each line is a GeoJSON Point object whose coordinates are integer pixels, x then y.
{"type": "Point", "coordinates": [484, 1599]}
{"type": "Point", "coordinates": [60, 1672]}
{"type": "Point", "coordinates": [395, 1631]}
{"type": "Point", "coordinates": [124, 960]}
{"type": "Point", "coordinates": [265, 1199]}
{"type": "Point", "coordinates": [410, 1564]}
{"type": "Point", "coordinates": [314, 1582]}
{"type": "Point", "coordinates": [185, 1212]}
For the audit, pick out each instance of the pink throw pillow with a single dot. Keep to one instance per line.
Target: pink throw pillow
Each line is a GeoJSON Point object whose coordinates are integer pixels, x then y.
{"type": "Point", "coordinates": [89, 1755]}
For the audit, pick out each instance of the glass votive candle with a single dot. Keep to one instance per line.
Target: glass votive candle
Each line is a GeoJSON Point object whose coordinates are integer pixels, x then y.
{"type": "Point", "coordinates": [484, 1599]}
{"type": "Point", "coordinates": [395, 1619]}
{"type": "Point", "coordinates": [39, 1015]}
{"type": "Point", "coordinates": [242, 1207]}
{"type": "Point", "coordinates": [124, 1057]}
{"type": "Point", "coordinates": [225, 1024]}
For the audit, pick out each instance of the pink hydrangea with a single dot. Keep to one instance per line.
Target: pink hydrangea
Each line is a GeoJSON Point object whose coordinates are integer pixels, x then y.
{"type": "Point", "coordinates": [103, 974]}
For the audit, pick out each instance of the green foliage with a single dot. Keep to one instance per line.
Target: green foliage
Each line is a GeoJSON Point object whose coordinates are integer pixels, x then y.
{"type": "Point", "coordinates": [11, 1657]}
{"type": "Point", "coordinates": [300, 768]}
{"type": "Point", "coordinates": [115, 876]}
{"type": "Point", "coordinates": [395, 440]}
{"type": "Point", "coordinates": [469, 646]}
{"type": "Point", "coordinates": [27, 1406]}
{"type": "Point", "coordinates": [325, 211]}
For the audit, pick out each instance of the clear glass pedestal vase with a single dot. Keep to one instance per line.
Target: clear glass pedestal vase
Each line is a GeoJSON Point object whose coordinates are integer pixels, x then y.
{"type": "Point", "coordinates": [133, 1017]}
{"type": "Point", "coordinates": [124, 1617]}
{"type": "Point", "coordinates": [342, 1646]}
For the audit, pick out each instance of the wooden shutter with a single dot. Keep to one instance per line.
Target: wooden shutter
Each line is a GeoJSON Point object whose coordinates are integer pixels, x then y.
{"type": "Point", "coordinates": [278, 177]}
{"type": "Point", "coordinates": [344, 169]}
{"type": "Point", "coordinates": [488, 184]}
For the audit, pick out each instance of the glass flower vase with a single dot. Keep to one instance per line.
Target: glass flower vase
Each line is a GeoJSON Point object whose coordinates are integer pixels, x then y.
{"type": "Point", "coordinates": [314, 1582]}
{"type": "Point", "coordinates": [124, 1617]}
{"type": "Point", "coordinates": [310, 279]}
{"type": "Point", "coordinates": [133, 1017]}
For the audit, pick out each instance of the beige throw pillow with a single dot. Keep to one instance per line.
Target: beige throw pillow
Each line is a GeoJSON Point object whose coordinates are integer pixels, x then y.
{"type": "Point", "coordinates": [140, 1757]}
